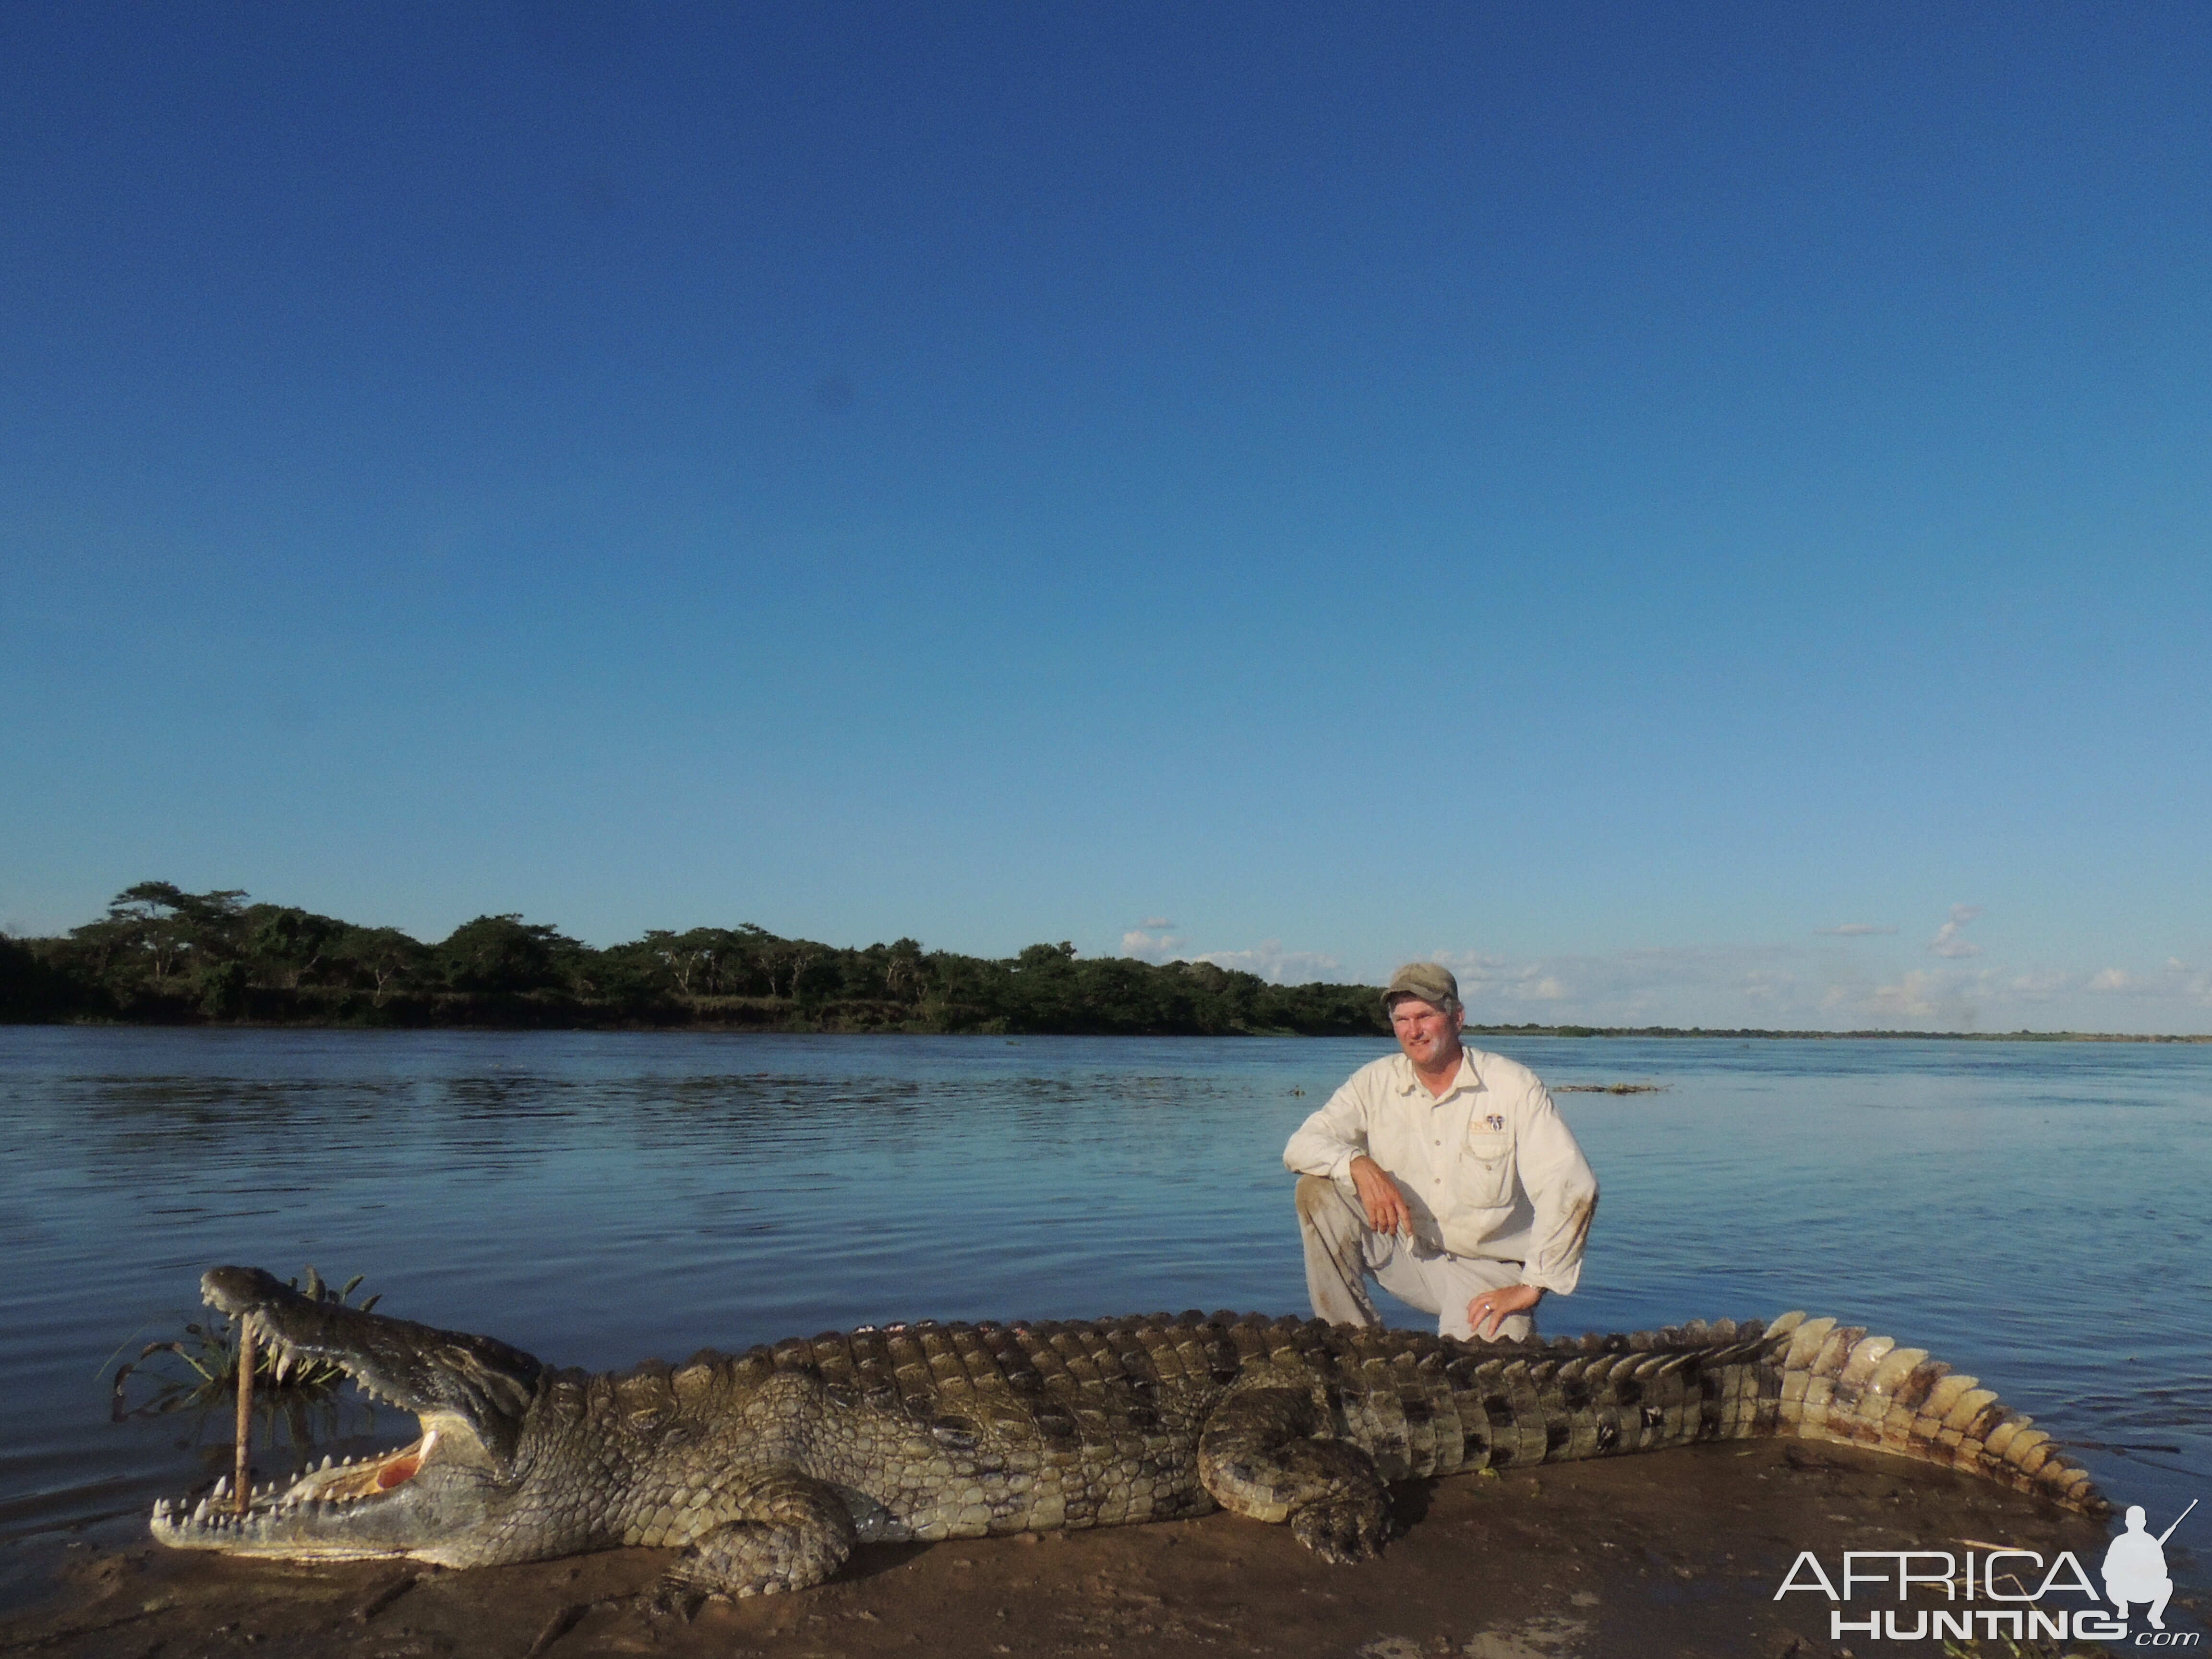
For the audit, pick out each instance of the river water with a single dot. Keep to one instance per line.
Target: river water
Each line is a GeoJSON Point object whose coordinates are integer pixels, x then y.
{"type": "Point", "coordinates": [2035, 1214]}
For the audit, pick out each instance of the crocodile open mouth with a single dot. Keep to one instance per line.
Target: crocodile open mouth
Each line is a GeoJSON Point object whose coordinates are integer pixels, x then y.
{"type": "Point", "coordinates": [327, 1509]}
{"type": "Point", "coordinates": [319, 1492]}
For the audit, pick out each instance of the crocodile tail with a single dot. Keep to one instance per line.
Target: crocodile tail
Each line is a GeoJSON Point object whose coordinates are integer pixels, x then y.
{"type": "Point", "coordinates": [1822, 1380]}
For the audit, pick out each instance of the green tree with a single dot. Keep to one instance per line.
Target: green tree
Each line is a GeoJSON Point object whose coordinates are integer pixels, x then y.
{"type": "Point", "coordinates": [154, 931]}
{"type": "Point", "coordinates": [31, 985]}
{"type": "Point", "coordinates": [389, 959]}
{"type": "Point", "coordinates": [697, 963]}
{"type": "Point", "coordinates": [287, 945]}
{"type": "Point", "coordinates": [161, 952]}
{"type": "Point", "coordinates": [906, 977]}
{"type": "Point", "coordinates": [223, 987]}
{"type": "Point", "coordinates": [506, 953]}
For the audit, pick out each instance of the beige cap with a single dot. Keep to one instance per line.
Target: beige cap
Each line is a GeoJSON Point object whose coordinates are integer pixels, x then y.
{"type": "Point", "coordinates": [1425, 980]}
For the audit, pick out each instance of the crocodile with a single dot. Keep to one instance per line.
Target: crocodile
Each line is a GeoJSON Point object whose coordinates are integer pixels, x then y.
{"type": "Point", "coordinates": [767, 1468]}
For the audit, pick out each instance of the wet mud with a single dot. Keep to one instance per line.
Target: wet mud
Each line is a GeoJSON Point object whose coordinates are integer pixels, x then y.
{"type": "Point", "coordinates": [1677, 1553]}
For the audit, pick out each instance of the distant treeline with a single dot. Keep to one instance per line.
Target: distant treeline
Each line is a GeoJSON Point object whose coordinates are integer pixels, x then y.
{"type": "Point", "coordinates": [164, 955]}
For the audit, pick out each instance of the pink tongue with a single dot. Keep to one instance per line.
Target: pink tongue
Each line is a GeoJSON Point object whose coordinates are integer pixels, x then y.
{"type": "Point", "coordinates": [397, 1473]}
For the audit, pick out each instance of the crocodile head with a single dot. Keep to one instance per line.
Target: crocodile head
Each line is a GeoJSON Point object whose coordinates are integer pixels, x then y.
{"type": "Point", "coordinates": [435, 1498]}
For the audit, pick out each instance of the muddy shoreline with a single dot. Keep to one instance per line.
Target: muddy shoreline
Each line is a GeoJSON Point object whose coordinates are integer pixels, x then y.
{"type": "Point", "coordinates": [1675, 1554]}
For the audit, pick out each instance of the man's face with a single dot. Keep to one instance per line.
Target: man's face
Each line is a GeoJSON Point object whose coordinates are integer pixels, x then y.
{"type": "Point", "coordinates": [1429, 1035]}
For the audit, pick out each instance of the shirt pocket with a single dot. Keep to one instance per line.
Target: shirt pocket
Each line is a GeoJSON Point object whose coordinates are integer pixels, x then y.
{"type": "Point", "coordinates": [1485, 1168]}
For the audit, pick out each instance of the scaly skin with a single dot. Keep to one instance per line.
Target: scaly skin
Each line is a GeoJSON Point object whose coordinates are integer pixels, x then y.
{"type": "Point", "coordinates": [767, 1468]}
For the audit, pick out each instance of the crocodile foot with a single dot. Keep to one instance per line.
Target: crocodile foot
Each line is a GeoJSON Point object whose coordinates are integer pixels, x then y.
{"type": "Point", "coordinates": [788, 1532]}
{"type": "Point", "coordinates": [1344, 1528]}
{"type": "Point", "coordinates": [1264, 1454]}
{"type": "Point", "coordinates": [671, 1598]}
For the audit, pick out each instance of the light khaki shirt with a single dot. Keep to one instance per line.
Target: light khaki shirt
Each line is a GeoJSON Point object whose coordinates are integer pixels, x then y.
{"type": "Point", "coordinates": [1490, 1170]}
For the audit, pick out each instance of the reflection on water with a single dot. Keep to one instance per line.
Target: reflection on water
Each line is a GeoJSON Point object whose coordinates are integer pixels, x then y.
{"type": "Point", "coordinates": [2031, 1212]}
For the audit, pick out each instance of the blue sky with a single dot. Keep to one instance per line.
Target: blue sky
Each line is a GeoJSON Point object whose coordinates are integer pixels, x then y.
{"type": "Point", "coordinates": [1610, 496]}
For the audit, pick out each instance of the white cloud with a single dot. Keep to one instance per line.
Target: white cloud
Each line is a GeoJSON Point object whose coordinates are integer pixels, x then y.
{"type": "Point", "coordinates": [1275, 964]}
{"type": "Point", "coordinates": [1908, 997]}
{"type": "Point", "coordinates": [1948, 942]}
{"type": "Point", "coordinates": [1151, 947]}
{"type": "Point", "coordinates": [1809, 983]}
{"type": "Point", "coordinates": [1500, 980]}
{"type": "Point", "coordinates": [1469, 967]}
{"type": "Point", "coordinates": [2176, 965]}
{"type": "Point", "coordinates": [1767, 986]}
{"type": "Point", "coordinates": [1913, 997]}
{"type": "Point", "coordinates": [1268, 959]}
{"type": "Point", "coordinates": [1949, 998]}
{"type": "Point", "coordinates": [1853, 930]}
{"type": "Point", "coordinates": [1156, 922]}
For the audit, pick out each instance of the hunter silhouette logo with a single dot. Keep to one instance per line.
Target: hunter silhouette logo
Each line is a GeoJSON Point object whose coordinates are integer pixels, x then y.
{"type": "Point", "coordinates": [2135, 1566]}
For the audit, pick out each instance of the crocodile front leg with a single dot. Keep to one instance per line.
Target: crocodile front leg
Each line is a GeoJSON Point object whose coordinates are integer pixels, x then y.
{"type": "Point", "coordinates": [1261, 1456]}
{"type": "Point", "coordinates": [783, 1531]}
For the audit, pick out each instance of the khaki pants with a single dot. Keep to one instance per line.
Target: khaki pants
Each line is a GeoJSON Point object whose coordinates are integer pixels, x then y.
{"type": "Point", "coordinates": [1342, 1252]}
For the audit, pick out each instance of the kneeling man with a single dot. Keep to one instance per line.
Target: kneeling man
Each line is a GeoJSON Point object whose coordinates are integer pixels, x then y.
{"type": "Point", "coordinates": [1443, 1172]}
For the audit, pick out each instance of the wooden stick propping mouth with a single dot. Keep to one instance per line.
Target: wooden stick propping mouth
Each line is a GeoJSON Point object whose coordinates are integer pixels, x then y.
{"type": "Point", "coordinates": [240, 1484]}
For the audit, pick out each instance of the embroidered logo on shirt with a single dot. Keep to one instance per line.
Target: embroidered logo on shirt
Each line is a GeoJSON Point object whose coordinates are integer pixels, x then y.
{"type": "Point", "coordinates": [1495, 1121]}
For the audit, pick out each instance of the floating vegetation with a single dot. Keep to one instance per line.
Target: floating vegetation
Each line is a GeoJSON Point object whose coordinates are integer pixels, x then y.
{"type": "Point", "coordinates": [199, 1372]}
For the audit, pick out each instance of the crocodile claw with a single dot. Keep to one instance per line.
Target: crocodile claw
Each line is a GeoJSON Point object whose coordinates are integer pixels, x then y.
{"type": "Point", "coordinates": [673, 1598]}
{"type": "Point", "coordinates": [1343, 1529]}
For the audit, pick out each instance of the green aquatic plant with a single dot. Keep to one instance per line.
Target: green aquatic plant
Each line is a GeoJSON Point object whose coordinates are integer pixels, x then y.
{"type": "Point", "coordinates": [199, 1371]}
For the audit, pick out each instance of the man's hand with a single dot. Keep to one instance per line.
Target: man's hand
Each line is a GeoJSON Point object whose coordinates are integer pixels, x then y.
{"type": "Point", "coordinates": [1493, 1308]}
{"type": "Point", "coordinates": [1380, 1197]}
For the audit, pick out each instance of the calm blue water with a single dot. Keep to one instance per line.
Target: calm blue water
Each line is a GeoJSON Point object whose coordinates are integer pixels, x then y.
{"type": "Point", "coordinates": [2034, 1213]}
